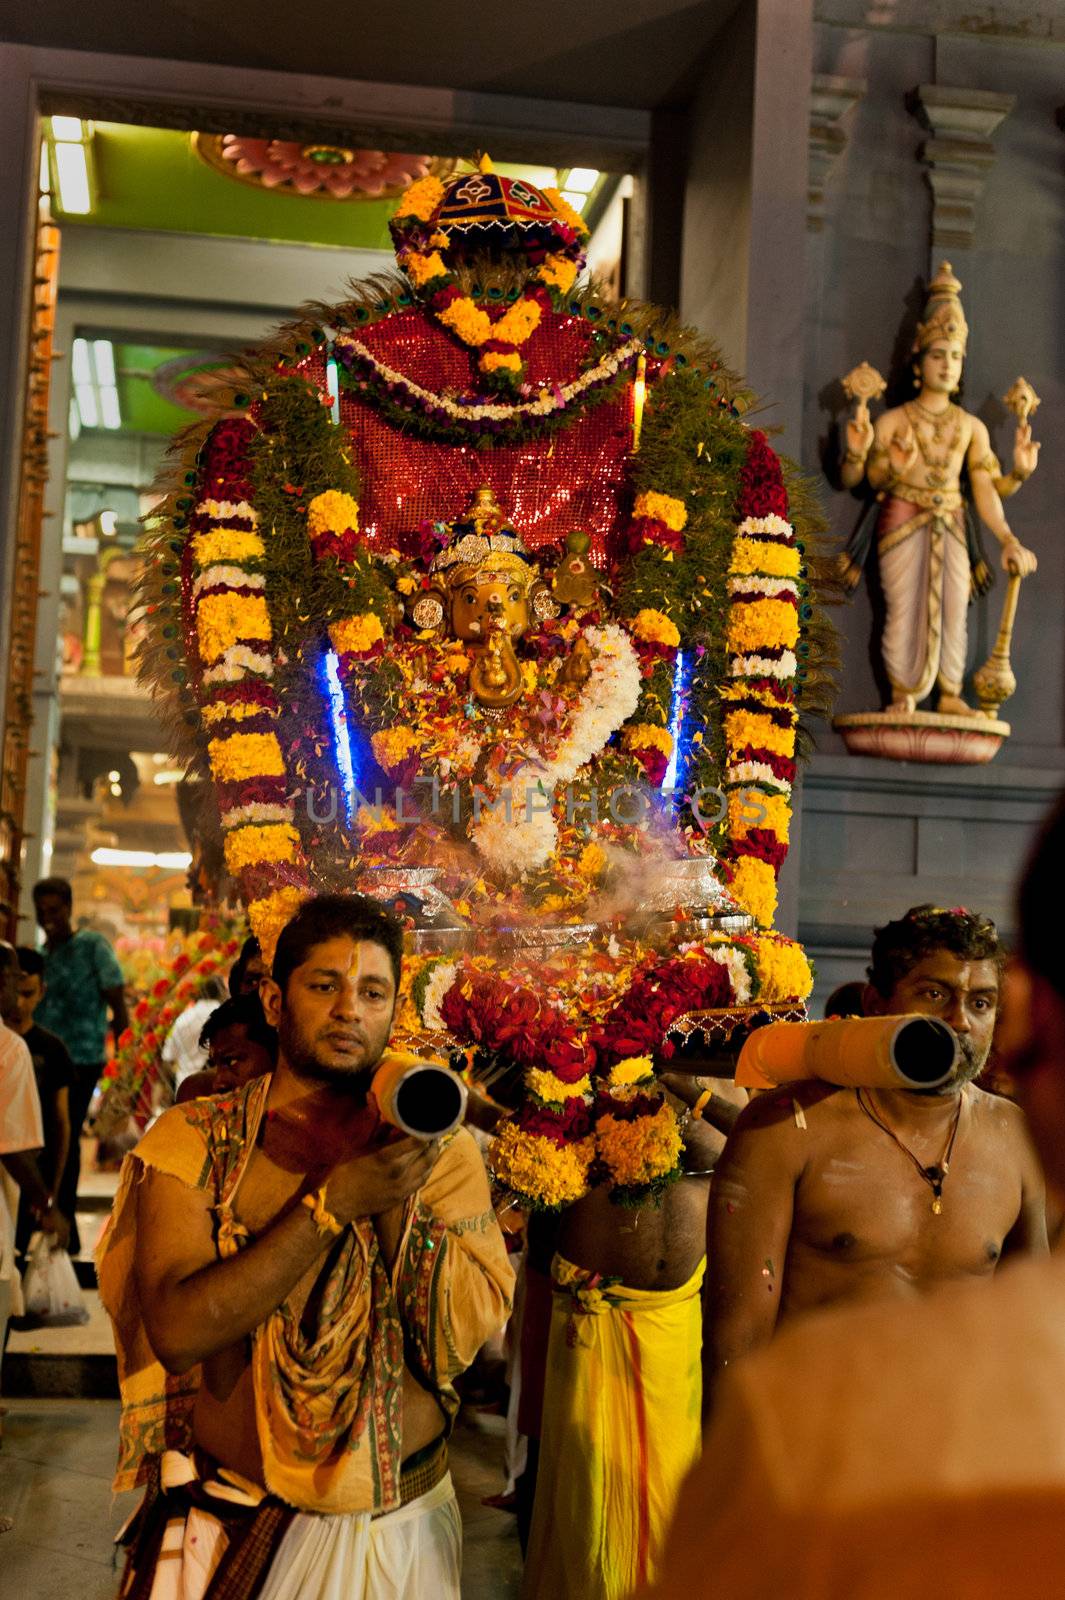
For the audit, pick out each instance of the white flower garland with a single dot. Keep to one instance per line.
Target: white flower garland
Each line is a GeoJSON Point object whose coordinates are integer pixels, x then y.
{"type": "Point", "coordinates": [764, 666]}
{"type": "Point", "coordinates": [771, 588]}
{"type": "Point", "coordinates": [227, 578]}
{"type": "Point", "coordinates": [225, 510]}
{"type": "Point", "coordinates": [440, 980]}
{"type": "Point", "coordinates": [608, 700]}
{"type": "Point", "coordinates": [557, 398]}
{"type": "Point", "coordinates": [237, 662]}
{"type": "Point", "coordinates": [773, 526]}
{"type": "Point", "coordinates": [756, 772]}
{"type": "Point", "coordinates": [258, 811]}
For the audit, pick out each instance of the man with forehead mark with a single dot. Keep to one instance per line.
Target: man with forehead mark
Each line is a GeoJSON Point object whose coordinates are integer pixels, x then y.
{"type": "Point", "coordinates": [294, 1292]}
{"type": "Point", "coordinates": [826, 1194]}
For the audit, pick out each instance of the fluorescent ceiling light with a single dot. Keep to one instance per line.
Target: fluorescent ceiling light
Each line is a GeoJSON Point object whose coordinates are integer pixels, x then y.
{"type": "Point", "coordinates": [44, 177]}
{"type": "Point", "coordinates": [169, 860]}
{"type": "Point", "coordinates": [168, 775]}
{"type": "Point", "coordinates": [582, 179]}
{"type": "Point", "coordinates": [79, 361]}
{"type": "Point", "coordinates": [72, 179]}
{"type": "Point", "coordinates": [74, 420]}
{"type": "Point", "coordinates": [67, 128]}
{"type": "Point", "coordinates": [576, 200]}
{"type": "Point", "coordinates": [109, 407]}
{"type": "Point", "coordinates": [104, 359]}
{"type": "Point", "coordinates": [85, 395]}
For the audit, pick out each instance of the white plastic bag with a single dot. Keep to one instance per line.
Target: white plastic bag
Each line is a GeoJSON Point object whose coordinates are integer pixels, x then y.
{"type": "Point", "coordinates": [50, 1286]}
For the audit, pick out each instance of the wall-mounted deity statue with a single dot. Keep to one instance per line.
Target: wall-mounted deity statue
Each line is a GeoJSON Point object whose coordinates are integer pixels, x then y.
{"type": "Point", "coordinates": [935, 479]}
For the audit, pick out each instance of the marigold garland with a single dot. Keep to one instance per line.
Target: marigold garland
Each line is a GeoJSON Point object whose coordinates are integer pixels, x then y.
{"type": "Point", "coordinates": [641, 1153]}
{"type": "Point", "coordinates": [251, 845]}
{"type": "Point", "coordinates": [356, 635]}
{"type": "Point", "coordinates": [535, 1169]}
{"type": "Point", "coordinates": [246, 755]}
{"type": "Point", "coordinates": [332, 512]}
{"type": "Point", "coordinates": [226, 619]}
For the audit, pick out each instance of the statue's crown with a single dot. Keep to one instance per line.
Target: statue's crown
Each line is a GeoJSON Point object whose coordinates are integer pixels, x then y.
{"type": "Point", "coordinates": [481, 541]}
{"type": "Point", "coordinates": [943, 314]}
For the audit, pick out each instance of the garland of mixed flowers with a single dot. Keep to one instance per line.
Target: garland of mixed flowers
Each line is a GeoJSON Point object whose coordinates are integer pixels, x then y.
{"type": "Point", "coordinates": [131, 1074]}
{"type": "Point", "coordinates": [592, 1112]}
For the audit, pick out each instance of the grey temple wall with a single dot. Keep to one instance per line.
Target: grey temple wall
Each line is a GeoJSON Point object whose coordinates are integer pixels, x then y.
{"type": "Point", "coordinates": [877, 835]}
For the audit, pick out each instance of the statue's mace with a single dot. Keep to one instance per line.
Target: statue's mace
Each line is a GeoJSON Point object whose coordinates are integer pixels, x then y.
{"type": "Point", "coordinates": [994, 682]}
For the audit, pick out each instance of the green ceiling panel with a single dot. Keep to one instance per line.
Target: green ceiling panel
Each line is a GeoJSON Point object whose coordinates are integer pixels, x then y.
{"type": "Point", "coordinates": [152, 178]}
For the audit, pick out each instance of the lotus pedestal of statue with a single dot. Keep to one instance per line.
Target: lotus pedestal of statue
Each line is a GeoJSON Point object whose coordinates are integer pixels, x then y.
{"type": "Point", "coordinates": [922, 736]}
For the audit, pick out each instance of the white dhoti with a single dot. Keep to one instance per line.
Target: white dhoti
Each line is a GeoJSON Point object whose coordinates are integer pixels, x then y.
{"type": "Point", "coordinates": [413, 1553]}
{"type": "Point", "coordinates": [926, 577]}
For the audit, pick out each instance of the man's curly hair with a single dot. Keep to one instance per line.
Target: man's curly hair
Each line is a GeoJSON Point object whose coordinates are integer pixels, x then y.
{"type": "Point", "coordinates": [898, 946]}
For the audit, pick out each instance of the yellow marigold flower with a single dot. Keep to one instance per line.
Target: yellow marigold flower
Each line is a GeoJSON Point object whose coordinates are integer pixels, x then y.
{"type": "Point", "coordinates": [422, 269]}
{"type": "Point", "coordinates": [749, 727]}
{"type": "Point", "coordinates": [246, 847]}
{"type": "Point", "coordinates": [224, 619]}
{"type": "Point", "coordinates": [634, 1069]}
{"type": "Point", "coordinates": [654, 627]}
{"type": "Point", "coordinates": [355, 635]}
{"type": "Point", "coordinates": [226, 544]}
{"type": "Point", "coordinates": [550, 1175]}
{"type": "Point", "coordinates": [640, 1151]}
{"type": "Point", "coordinates": [268, 916]}
{"type": "Point", "coordinates": [750, 808]}
{"type": "Point", "coordinates": [754, 886]}
{"type": "Point", "coordinates": [518, 323]}
{"type": "Point", "coordinates": [559, 272]}
{"type": "Point", "coordinates": [406, 584]}
{"type": "Point", "coordinates": [233, 711]}
{"type": "Point", "coordinates": [762, 625]}
{"type": "Point", "coordinates": [592, 861]}
{"type": "Point", "coordinates": [562, 208]}
{"type": "Point", "coordinates": [645, 736]}
{"type": "Point", "coordinates": [764, 558]}
{"type": "Point", "coordinates": [495, 360]}
{"type": "Point", "coordinates": [546, 1086]}
{"type": "Point", "coordinates": [333, 511]}
{"type": "Point", "coordinates": [392, 746]}
{"type": "Point", "coordinates": [661, 508]}
{"type": "Point", "coordinates": [246, 755]}
{"type": "Point", "coordinates": [420, 199]}
{"type": "Point", "coordinates": [784, 973]}
{"type": "Point", "coordinates": [472, 325]}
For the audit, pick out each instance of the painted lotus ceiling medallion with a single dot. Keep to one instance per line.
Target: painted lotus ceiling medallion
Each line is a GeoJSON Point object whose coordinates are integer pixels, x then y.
{"type": "Point", "coordinates": [320, 170]}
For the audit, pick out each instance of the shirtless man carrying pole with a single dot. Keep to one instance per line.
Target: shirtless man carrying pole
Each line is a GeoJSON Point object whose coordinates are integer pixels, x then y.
{"type": "Point", "coordinates": [827, 1194]}
{"type": "Point", "coordinates": [621, 1411]}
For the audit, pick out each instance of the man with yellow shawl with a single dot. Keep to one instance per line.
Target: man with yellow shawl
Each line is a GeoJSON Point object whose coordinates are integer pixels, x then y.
{"type": "Point", "coordinates": [293, 1296]}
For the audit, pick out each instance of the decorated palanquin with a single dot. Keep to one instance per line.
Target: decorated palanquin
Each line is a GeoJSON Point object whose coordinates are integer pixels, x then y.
{"type": "Point", "coordinates": [484, 599]}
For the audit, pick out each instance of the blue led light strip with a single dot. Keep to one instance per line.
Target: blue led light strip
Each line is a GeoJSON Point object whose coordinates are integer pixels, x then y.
{"type": "Point", "coordinates": [677, 708]}
{"type": "Point", "coordinates": [338, 716]}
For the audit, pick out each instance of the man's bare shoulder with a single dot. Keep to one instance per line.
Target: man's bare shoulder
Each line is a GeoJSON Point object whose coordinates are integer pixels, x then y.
{"type": "Point", "coordinates": [794, 1107]}
{"type": "Point", "coordinates": [1000, 1116]}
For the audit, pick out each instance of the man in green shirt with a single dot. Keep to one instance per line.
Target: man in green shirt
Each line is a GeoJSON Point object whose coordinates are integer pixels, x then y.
{"type": "Point", "coordinates": [83, 982]}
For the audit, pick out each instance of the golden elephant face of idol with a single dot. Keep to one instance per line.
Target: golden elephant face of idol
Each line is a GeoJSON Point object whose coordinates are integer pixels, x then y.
{"type": "Point", "coordinates": [487, 603]}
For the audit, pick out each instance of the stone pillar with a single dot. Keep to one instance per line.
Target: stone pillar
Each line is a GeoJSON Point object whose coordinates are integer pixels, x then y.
{"type": "Point", "coordinates": [959, 156]}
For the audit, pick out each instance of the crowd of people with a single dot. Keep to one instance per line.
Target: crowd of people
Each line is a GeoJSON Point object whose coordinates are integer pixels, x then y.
{"type": "Point", "coordinates": [798, 1372]}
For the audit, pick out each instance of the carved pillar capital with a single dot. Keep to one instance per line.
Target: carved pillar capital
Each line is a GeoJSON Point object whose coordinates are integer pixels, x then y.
{"type": "Point", "coordinates": [959, 155]}
{"type": "Point", "coordinates": [831, 99]}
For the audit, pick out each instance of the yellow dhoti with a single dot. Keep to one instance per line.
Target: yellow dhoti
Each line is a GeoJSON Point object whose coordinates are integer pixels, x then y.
{"type": "Point", "coordinates": [620, 1430]}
